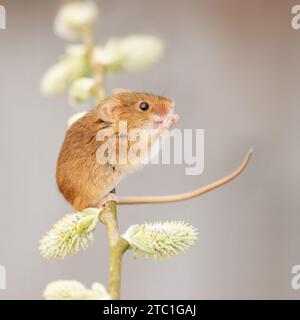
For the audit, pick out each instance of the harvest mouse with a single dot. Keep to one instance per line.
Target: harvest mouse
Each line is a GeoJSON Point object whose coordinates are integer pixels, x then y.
{"type": "Point", "coordinates": [81, 177]}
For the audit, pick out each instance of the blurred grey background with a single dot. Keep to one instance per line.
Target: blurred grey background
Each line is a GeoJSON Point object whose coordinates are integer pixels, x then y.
{"type": "Point", "coordinates": [233, 69]}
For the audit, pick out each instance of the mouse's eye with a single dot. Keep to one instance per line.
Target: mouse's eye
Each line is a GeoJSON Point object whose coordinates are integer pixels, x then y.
{"type": "Point", "coordinates": [144, 106]}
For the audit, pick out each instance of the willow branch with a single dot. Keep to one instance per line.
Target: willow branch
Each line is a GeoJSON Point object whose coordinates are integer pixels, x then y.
{"type": "Point", "coordinates": [108, 216]}
{"type": "Point", "coordinates": [117, 247]}
{"type": "Point", "coordinates": [97, 69]}
{"type": "Point", "coordinates": [88, 40]}
{"type": "Point", "coordinates": [188, 195]}
{"type": "Point", "coordinates": [99, 74]}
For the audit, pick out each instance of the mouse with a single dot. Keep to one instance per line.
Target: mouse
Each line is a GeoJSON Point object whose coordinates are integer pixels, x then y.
{"type": "Point", "coordinates": [85, 181]}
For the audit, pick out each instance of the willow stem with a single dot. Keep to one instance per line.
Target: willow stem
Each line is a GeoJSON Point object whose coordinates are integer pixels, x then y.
{"type": "Point", "coordinates": [108, 216]}
{"type": "Point", "coordinates": [98, 88]}
{"type": "Point", "coordinates": [98, 69]}
{"type": "Point", "coordinates": [88, 40]}
{"type": "Point", "coordinates": [117, 247]}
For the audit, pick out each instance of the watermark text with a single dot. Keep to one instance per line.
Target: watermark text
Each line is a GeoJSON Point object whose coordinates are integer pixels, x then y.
{"type": "Point", "coordinates": [134, 147]}
{"type": "Point", "coordinates": [295, 22]}
{"type": "Point", "coordinates": [295, 283]}
{"type": "Point", "coordinates": [2, 278]}
{"type": "Point", "coordinates": [2, 18]}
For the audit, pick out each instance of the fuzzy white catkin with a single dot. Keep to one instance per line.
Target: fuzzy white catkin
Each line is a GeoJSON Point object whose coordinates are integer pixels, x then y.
{"type": "Point", "coordinates": [73, 18]}
{"type": "Point", "coordinates": [140, 52]}
{"type": "Point", "coordinates": [131, 54]}
{"type": "Point", "coordinates": [161, 240]}
{"type": "Point", "coordinates": [76, 116]}
{"type": "Point", "coordinates": [71, 234]}
{"type": "Point", "coordinates": [81, 90]}
{"type": "Point", "coordinates": [58, 78]}
{"type": "Point", "coordinates": [74, 290]}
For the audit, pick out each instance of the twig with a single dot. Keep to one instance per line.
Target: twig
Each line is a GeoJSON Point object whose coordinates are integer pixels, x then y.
{"type": "Point", "coordinates": [98, 88]}
{"type": "Point", "coordinates": [98, 69]}
{"type": "Point", "coordinates": [117, 247]}
{"type": "Point", "coordinates": [188, 195]}
{"type": "Point", "coordinates": [108, 216]}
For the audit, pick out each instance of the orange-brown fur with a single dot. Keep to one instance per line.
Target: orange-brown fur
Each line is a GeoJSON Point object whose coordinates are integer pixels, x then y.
{"type": "Point", "coordinates": [80, 178]}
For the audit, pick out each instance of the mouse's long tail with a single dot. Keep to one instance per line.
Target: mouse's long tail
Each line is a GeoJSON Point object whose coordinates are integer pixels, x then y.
{"type": "Point", "coordinates": [188, 195]}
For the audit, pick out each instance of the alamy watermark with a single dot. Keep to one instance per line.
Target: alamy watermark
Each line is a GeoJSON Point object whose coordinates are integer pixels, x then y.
{"type": "Point", "coordinates": [2, 278]}
{"type": "Point", "coordinates": [2, 18]}
{"type": "Point", "coordinates": [295, 22]}
{"type": "Point", "coordinates": [295, 283]}
{"type": "Point", "coordinates": [133, 147]}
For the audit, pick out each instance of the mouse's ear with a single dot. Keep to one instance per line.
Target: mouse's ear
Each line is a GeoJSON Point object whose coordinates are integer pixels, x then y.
{"type": "Point", "coordinates": [119, 90]}
{"type": "Point", "coordinates": [105, 112]}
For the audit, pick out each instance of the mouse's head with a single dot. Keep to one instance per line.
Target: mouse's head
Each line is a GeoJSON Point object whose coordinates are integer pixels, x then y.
{"type": "Point", "coordinates": [139, 110]}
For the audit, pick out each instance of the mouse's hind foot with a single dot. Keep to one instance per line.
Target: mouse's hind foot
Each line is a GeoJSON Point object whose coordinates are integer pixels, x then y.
{"type": "Point", "coordinates": [109, 197]}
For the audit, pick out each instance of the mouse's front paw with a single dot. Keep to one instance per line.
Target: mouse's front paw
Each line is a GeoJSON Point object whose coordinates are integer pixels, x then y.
{"type": "Point", "coordinates": [171, 121]}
